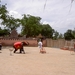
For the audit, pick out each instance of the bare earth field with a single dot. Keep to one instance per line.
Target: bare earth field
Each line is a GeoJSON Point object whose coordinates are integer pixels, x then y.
{"type": "Point", "coordinates": [54, 62]}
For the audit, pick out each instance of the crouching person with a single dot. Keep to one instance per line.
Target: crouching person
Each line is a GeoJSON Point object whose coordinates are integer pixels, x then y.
{"type": "Point", "coordinates": [20, 46]}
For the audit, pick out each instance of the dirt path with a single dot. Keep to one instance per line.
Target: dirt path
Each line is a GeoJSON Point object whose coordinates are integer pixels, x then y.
{"type": "Point", "coordinates": [54, 62]}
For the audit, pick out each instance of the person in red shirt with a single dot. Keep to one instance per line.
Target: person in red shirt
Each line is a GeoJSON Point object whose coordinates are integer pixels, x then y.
{"type": "Point", "coordinates": [19, 45]}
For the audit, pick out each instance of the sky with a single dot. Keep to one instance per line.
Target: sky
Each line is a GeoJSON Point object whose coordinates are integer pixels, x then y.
{"type": "Point", "coordinates": [59, 14]}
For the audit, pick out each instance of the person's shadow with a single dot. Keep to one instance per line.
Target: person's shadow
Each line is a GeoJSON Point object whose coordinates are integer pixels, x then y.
{"type": "Point", "coordinates": [19, 53]}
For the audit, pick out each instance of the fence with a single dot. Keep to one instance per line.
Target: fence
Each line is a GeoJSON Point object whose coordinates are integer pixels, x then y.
{"type": "Point", "coordinates": [10, 42]}
{"type": "Point", "coordinates": [60, 43]}
{"type": "Point", "coordinates": [33, 42]}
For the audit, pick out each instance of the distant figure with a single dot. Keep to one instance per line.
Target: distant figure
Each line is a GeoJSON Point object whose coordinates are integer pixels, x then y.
{"type": "Point", "coordinates": [20, 45]}
{"type": "Point", "coordinates": [40, 45]}
{"type": "Point", "coordinates": [0, 45]}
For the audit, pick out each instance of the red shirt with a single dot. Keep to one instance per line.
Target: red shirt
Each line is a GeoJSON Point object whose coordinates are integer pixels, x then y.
{"type": "Point", "coordinates": [18, 45]}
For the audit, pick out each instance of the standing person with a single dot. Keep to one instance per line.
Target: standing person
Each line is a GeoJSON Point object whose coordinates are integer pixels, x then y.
{"type": "Point", "coordinates": [0, 46]}
{"type": "Point", "coordinates": [40, 45]}
{"type": "Point", "coordinates": [20, 45]}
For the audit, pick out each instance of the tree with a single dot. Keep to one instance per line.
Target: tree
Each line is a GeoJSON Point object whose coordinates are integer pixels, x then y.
{"type": "Point", "coordinates": [3, 12]}
{"type": "Point", "coordinates": [30, 25]}
{"type": "Point", "coordinates": [55, 35]}
{"type": "Point", "coordinates": [60, 36]}
{"type": "Point", "coordinates": [11, 23]}
{"type": "Point", "coordinates": [47, 31]}
{"type": "Point", "coordinates": [8, 21]}
{"type": "Point", "coordinates": [68, 35]}
{"type": "Point", "coordinates": [74, 33]}
{"type": "Point", "coordinates": [4, 32]}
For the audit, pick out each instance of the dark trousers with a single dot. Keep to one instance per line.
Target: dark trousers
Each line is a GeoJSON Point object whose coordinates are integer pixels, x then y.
{"type": "Point", "coordinates": [21, 50]}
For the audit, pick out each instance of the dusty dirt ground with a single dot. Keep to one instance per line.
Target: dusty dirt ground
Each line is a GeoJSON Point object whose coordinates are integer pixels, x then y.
{"type": "Point", "coordinates": [54, 62]}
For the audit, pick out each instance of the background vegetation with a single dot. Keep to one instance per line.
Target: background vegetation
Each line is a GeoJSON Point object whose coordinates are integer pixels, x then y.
{"type": "Point", "coordinates": [31, 26]}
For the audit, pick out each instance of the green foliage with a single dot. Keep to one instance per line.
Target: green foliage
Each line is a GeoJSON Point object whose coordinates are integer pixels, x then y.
{"type": "Point", "coordinates": [47, 31]}
{"type": "Point", "coordinates": [55, 35]}
{"type": "Point", "coordinates": [8, 21]}
{"type": "Point", "coordinates": [69, 35]}
{"type": "Point", "coordinates": [61, 36]}
{"type": "Point", "coordinates": [30, 25]}
{"type": "Point", "coordinates": [4, 32]}
{"type": "Point", "coordinates": [3, 12]}
{"type": "Point", "coordinates": [74, 33]}
{"type": "Point", "coordinates": [11, 23]}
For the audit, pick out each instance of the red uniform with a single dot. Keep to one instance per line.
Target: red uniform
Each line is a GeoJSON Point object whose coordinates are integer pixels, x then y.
{"type": "Point", "coordinates": [18, 45]}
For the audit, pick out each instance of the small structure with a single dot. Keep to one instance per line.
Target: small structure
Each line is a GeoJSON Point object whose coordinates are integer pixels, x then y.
{"type": "Point", "coordinates": [14, 34]}
{"type": "Point", "coordinates": [39, 36]}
